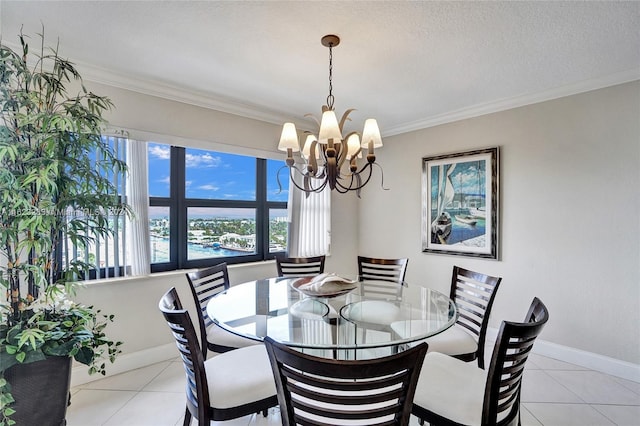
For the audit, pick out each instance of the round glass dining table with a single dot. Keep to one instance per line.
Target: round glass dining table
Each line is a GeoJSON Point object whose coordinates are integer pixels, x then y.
{"type": "Point", "coordinates": [349, 324]}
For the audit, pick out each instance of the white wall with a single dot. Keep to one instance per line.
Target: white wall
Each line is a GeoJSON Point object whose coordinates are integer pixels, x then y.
{"type": "Point", "coordinates": [134, 301]}
{"type": "Point", "coordinates": [570, 214]}
{"type": "Point", "coordinates": [569, 211]}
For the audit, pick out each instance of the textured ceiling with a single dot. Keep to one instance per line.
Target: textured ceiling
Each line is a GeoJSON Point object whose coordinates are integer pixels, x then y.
{"type": "Point", "coordinates": [408, 64]}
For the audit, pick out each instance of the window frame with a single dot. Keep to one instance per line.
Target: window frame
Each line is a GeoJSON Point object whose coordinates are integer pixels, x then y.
{"type": "Point", "coordinates": [178, 206]}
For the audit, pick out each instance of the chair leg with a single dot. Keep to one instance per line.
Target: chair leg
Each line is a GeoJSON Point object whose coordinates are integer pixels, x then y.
{"type": "Point", "coordinates": [265, 413]}
{"type": "Point", "coordinates": [187, 417]}
{"type": "Point", "coordinates": [421, 422]}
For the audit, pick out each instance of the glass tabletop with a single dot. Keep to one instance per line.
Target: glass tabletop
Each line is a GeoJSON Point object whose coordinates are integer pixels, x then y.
{"type": "Point", "coordinates": [339, 324]}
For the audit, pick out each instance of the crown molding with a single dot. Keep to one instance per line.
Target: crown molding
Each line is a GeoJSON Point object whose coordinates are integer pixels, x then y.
{"type": "Point", "coordinates": [515, 102]}
{"type": "Point", "coordinates": [166, 91]}
{"type": "Point", "coordinates": [211, 101]}
{"type": "Point", "coordinates": [252, 111]}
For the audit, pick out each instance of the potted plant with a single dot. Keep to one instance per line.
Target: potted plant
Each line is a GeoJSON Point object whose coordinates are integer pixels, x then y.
{"type": "Point", "coordinates": [55, 190]}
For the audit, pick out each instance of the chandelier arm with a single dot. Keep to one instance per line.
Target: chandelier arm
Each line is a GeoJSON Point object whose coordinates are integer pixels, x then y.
{"type": "Point", "coordinates": [342, 189]}
{"type": "Point", "coordinates": [307, 185]}
{"type": "Point", "coordinates": [381, 176]}
{"type": "Point", "coordinates": [341, 155]}
{"type": "Point", "coordinates": [313, 160]}
{"type": "Point", "coordinates": [343, 151]}
{"type": "Point", "coordinates": [345, 117]}
{"type": "Point", "coordinates": [357, 178]}
{"type": "Point", "coordinates": [341, 158]}
{"type": "Point", "coordinates": [278, 178]}
{"type": "Point", "coordinates": [332, 172]}
{"type": "Point", "coordinates": [306, 176]}
{"type": "Point", "coordinates": [360, 183]}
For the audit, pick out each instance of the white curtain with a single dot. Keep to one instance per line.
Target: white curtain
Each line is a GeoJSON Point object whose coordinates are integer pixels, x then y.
{"type": "Point", "coordinates": [138, 199]}
{"type": "Point", "coordinates": [310, 223]}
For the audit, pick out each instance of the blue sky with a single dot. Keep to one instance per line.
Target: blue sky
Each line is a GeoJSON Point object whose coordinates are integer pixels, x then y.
{"type": "Point", "coordinates": [213, 175]}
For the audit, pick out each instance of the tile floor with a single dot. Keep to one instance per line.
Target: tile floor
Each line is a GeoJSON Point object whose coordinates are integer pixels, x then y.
{"type": "Point", "coordinates": [554, 394]}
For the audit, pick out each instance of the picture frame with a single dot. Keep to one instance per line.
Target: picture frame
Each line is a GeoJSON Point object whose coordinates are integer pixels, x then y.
{"type": "Point", "coordinates": [460, 203]}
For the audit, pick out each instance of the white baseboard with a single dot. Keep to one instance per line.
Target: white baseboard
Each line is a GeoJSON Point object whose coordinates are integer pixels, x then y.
{"type": "Point", "coordinates": [590, 360]}
{"type": "Point", "coordinates": [124, 363]}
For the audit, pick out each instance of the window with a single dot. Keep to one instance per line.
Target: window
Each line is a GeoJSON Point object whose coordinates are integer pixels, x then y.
{"type": "Point", "coordinates": [207, 206]}
{"type": "Point", "coordinates": [106, 256]}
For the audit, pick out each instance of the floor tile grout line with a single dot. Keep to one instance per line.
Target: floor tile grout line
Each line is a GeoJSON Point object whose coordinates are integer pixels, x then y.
{"type": "Point", "coordinates": [602, 375]}
{"type": "Point", "coordinates": [118, 410]}
{"type": "Point", "coordinates": [522, 406]}
{"type": "Point", "coordinates": [121, 406]}
{"type": "Point", "coordinates": [576, 403]}
{"type": "Point", "coordinates": [565, 387]}
{"type": "Point", "coordinates": [181, 392]}
{"type": "Point", "coordinates": [603, 414]}
{"type": "Point", "coordinates": [144, 388]}
{"type": "Point", "coordinates": [614, 405]}
{"type": "Point", "coordinates": [156, 376]}
{"type": "Point", "coordinates": [624, 382]}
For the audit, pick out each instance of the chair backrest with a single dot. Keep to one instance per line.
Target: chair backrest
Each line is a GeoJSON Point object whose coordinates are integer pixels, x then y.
{"type": "Point", "coordinates": [300, 266]}
{"type": "Point", "coordinates": [179, 321]}
{"type": "Point", "coordinates": [474, 294]}
{"type": "Point", "coordinates": [504, 378]}
{"type": "Point", "coordinates": [322, 391]}
{"type": "Point", "coordinates": [376, 274]}
{"type": "Point", "coordinates": [206, 283]}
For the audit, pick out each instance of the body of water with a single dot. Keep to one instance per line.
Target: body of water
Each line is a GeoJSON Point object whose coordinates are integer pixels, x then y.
{"type": "Point", "coordinates": [463, 231]}
{"type": "Point", "coordinates": [160, 251]}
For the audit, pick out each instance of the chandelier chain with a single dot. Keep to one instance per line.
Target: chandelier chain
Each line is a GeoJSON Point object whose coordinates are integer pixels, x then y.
{"type": "Point", "coordinates": [330, 98]}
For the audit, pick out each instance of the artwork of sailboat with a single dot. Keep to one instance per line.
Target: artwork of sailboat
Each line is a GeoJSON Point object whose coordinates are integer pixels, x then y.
{"type": "Point", "coordinates": [478, 212]}
{"type": "Point", "coordinates": [441, 226]}
{"type": "Point", "coordinates": [467, 219]}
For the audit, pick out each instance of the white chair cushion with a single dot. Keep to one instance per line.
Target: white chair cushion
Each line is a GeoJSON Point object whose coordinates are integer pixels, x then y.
{"type": "Point", "coordinates": [240, 376]}
{"type": "Point", "coordinates": [453, 341]}
{"type": "Point", "coordinates": [375, 312]}
{"type": "Point", "coordinates": [220, 336]}
{"type": "Point", "coordinates": [451, 388]}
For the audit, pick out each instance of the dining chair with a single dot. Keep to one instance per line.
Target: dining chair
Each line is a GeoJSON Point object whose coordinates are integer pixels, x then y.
{"type": "Point", "coordinates": [226, 386]}
{"type": "Point", "coordinates": [382, 278]}
{"type": "Point", "coordinates": [204, 284]}
{"type": "Point", "coordinates": [454, 392]}
{"type": "Point", "coordinates": [300, 266]}
{"type": "Point", "coordinates": [473, 294]}
{"type": "Point", "coordinates": [323, 391]}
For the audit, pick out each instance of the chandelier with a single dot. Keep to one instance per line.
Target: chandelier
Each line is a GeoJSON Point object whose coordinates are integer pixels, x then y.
{"type": "Point", "coordinates": [329, 158]}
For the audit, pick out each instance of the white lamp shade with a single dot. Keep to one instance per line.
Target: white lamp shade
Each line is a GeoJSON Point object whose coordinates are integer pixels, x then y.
{"type": "Point", "coordinates": [329, 128]}
{"type": "Point", "coordinates": [306, 149]}
{"type": "Point", "coordinates": [371, 132]}
{"type": "Point", "coordinates": [289, 138]}
{"type": "Point", "coordinates": [353, 145]}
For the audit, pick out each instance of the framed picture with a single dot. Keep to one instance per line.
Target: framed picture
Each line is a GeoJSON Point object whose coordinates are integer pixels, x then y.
{"type": "Point", "coordinates": [460, 203]}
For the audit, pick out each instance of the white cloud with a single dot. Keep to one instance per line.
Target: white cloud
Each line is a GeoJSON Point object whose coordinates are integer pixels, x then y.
{"type": "Point", "coordinates": [160, 151]}
{"type": "Point", "coordinates": [202, 160]}
{"type": "Point", "coordinates": [209, 187]}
